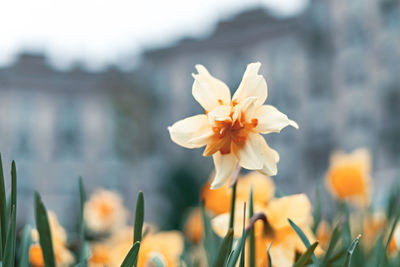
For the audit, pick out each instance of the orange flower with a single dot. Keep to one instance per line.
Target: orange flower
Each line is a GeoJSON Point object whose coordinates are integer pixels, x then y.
{"type": "Point", "coordinates": [230, 129]}
{"type": "Point", "coordinates": [104, 212]}
{"type": "Point", "coordinates": [166, 246]}
{"type": "Point", "coordinates": [194, 226]}
{"type": "Point", "coordinates": [62, 255]}
{"type": "Point", "coordinates": [218, 201]}
{"type": "Point", "coordinates": [277, 230]}
{"type": "Point", "coordinates": [348, 177]}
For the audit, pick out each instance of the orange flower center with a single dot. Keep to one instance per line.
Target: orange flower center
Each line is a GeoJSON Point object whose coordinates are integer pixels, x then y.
{"type": "Point", "coordinates": [347, 181]}
{"type": "Point", "coordinates": [105, 209]}
{"type": "Point", "coordinates": [228, 131]}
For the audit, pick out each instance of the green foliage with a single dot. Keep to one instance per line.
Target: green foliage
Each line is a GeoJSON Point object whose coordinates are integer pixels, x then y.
{"type": "Point", "coordinates": [132, 256]}
{"type": "Point", "coordinates": [43, 227]}
{"type": "Point", "coordinates": [224, 249]}
{"type": "Point", "coordinates": [305, 258]}
{"type": "Point", "coordinates": [303, 238]}
{"type": "Point", "coordinates": [24, 247]}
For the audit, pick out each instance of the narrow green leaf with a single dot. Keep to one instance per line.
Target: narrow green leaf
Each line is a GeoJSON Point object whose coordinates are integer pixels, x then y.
{"type": "Point", "coordinates": [132, 256]}
{"type": "Point", "coordinates": [303, 238]}
{"type": "Point", "coordinates": [43, 227]}
{"type": "Point", "coordinates": [14, 186]}
{"type": "Point", "coordinates": [269, 255]}
{"type": "Point", "coordinates": [3, 210]}
{"type": "Point", "coordinates": [83, 253]}
{"type": "Point", "coordinates": [233, 201]}
{"type": "Point", "coordinates": [210, 239]}
{"type": "Point", "coordinates": [25, 245]}
{"type": "Point", "coordinates": [252, 239]}
{"type": "Point", "coordinates": [9, 250]}
{"type": "Point", "coordinates": [224, 249]}
{"type": "Point", "coordinates": [350, 251]}
{"type": "Point", "coordinates": [239, 249]}
{"type": "Point", "coordinates": [306, 256]}
{"type": "Point", "coordinates": [332, 243]}
{"type": "Point", "coordinates": [383, 253]}
{"type": "Point", "coordinates": [139, 218]}
{"type": "Point", "coordinates": [317, 211]}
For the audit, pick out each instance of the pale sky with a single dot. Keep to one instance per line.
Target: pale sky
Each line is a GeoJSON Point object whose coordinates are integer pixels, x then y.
{"type": "Point", "coordinates": [100, 32]}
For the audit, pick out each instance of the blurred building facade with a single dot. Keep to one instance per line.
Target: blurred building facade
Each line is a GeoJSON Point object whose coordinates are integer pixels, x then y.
{"type": "Point", "coordinates": [334, 69]}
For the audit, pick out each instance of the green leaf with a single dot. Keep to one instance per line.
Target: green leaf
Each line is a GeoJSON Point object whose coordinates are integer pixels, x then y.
{"type": "Point", "coordinates": [224, 249]}
{"type": "Point", "coordinates": [3, 210]}
{"type": "Point", "coordinates": [25, 245]}
{"type": "Point", "coordinates": [332, 243]}
{"type": "Point", "coordinates": [383, 253]}
{"type": "Point", "coordinates": [237, 251]}
{"type": "Point", "coordinates": [9, 250]}
{"type": "Point", "coordinates": [350, 251]}
{"type": "Point", "coordinates": [13, 186]}
{"type": "Point", "coordinates": [210, 239]}
{"type": "Point", "coordinates": [306, 257]}
{"type": "Point", "coordinates": [139, 218]}
{"type": "Point", "coordinates": [303, 238]}
{"type": "Point", "coordinates": [43, 227]}
{"type": "Point", "coordinates": [317, 211]}
{"type": "Point", "coordinates": [269, 255]}
{"type": "Point", "coordinates": [233, 201]}
{"type": "Point", "coordinates": [132, 256]}
{"type": "Point", "coordinates": [252, 239]}
{"type": "Point", "coordinates": [84, 251]}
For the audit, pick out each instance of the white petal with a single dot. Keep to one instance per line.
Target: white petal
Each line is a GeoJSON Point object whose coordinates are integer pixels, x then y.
{"type": "Point", "coordinates": [257, 155]}
{"type": "Point", "coordinates": [209, 91]}
{"type": "Point", "coordinates": [220, 113]}
{"type": "Point", "coordinates": [249, 153]}
{"type": "Point", "coordinates": [224, 167]}
{"type": "Point", "coordinates": [269, 120]}
{"type": "Point", "coordinates": [252, 84]}
{"type": "Point", "coordinates": [246, 107]}
{"type": "Point", "coordinates": [192, 132]}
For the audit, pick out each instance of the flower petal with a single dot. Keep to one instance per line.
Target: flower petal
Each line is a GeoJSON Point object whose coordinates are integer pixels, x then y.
{"type": "Point", "coordinates": [245, 107]}
{"type": "Point", "coordinates": [270, 119]}
{"type": "Point", "coordinates": [220, 113]}
{"type": "Point", "coordinates": [209, 91]}
{"type": "Point", "coordinates": [252, 84]}
{"type": "Point", "coordinates": [255, 154]}
{"type": "Point", "coordinates": [192, 132]}
{"type": "Point", "coordinates": [295, 207]}
{"type": "Point", "coordinates": [224, 167]}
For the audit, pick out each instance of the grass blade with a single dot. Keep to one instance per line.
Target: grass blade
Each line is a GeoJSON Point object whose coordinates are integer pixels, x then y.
{"type": "Point", "coordinates": [317, 211]}
{"type": "Point", "coordinates": [233, 201]}
{"type": "Point", "coordinates": [224, 249]}
{"type": "Point", "coordinates": [210, 239]}
{"type": "Point", "coordinates": [139, 218]}
{"type": "Point", "coordinates": [3, 210]}
{"type": "Point", "coordinates": [9, 250]}
{"type": "Point", "coordinates": [83, 254]}
{"type": "Point", "coordinates": [25, 245]}
{"type": "Point", "coordinates": [240, 246]}
{"type": "Point", "coordinates": [252, 239]}
{"type": "Point", "coordinates": [350, 251]}
{"type": "Point", "coordinates": [332, 243]}
{"type": "Point", "coordinates": [303, 238]}
{"type": "Point", "coordinates": [269, 256]}
{"type": "Point", "coordinates": [132, 255]}
{"type": "Point", "coordinates": [43, 227]}
{"type": "Point", "coordinates": [306, 257]}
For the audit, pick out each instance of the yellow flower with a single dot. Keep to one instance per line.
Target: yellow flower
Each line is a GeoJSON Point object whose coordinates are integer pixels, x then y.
{"type": "Point", "coordinates": [104, 212]}
{"type": "Point", "coordinates": [348, 177]}
{"type": "Point", "coordinates": [194, 226]}
{"type": "Point", "coordinates": [62, 255]}
{"type": "Point", "coordinates": [277, 230]}
{"type": "Point", "coordinates": [101, 255]}
{"type": "Point", "coordinates": [166, 246]}
{"type": "Point", "coordinates": [218, 201]}
{"type": "Point", "coordinates": [230, 129]}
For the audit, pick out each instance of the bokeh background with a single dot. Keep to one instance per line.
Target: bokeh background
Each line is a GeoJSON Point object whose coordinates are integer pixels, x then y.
{"type": "Point", "coordinates": [89, 88]}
